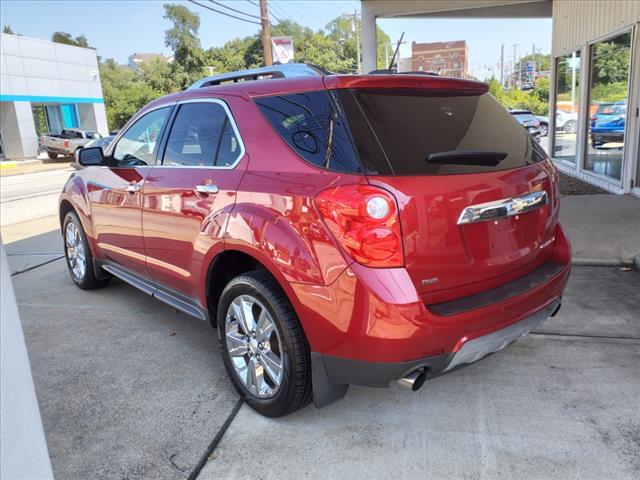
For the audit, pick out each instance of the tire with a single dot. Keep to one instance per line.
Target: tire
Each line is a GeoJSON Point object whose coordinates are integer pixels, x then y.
{"type": "Point", "coordinates": [52, 155]}
{"type": "Point", "coordinates": [544, 129]}
{"type": "Point", "coordinates": [571, 126]}
{"type": "Point", "coordinates": [286, 343]}
{"type": "Point", "coordinates": [76, 248]}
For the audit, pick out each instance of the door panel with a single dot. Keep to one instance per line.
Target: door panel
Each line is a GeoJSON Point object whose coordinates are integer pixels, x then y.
{"type": "Point", "coordinates": [115, 192]}
{"type": "Point", "coordinates": [188, 198]}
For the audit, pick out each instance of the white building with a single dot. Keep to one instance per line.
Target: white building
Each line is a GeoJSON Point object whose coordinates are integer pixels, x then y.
{"type": "Point", "coordinates": [45, 87]}
{"type": "Point", "coordinates": [602, 145]}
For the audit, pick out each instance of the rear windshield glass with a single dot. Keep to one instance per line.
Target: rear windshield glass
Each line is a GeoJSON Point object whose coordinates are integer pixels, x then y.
{"type": "Point", "coordinates": [421, 132]}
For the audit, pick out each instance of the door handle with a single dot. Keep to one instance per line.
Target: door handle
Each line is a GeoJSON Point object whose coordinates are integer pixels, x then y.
{"type": "Point", "coordinates": [206, 189]}
{"type": "Point", "coordinates": [133, 188]}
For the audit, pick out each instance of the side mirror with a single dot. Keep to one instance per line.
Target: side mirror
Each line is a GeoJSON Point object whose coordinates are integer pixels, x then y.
{"type": "Point", "coordinates": [91, 156]}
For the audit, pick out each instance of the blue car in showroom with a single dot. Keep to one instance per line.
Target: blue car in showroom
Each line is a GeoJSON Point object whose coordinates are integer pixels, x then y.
{"type": "Point", "coordinates": [607, 124]}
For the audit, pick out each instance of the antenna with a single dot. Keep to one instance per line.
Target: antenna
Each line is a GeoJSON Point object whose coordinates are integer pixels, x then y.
{"type": "Point", "coordinates": [395, 53]}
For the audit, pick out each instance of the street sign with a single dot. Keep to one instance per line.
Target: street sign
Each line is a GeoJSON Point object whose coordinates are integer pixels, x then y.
{"type": "Point", "coordinates": [282, 49]}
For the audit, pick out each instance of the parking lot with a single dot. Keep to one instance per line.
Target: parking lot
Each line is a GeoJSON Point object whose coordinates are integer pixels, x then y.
{"type": "Point", "coordinates": [130, 388]}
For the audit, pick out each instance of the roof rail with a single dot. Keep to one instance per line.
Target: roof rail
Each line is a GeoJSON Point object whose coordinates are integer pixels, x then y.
{"type": "Point", "coordinates": [276, 71]}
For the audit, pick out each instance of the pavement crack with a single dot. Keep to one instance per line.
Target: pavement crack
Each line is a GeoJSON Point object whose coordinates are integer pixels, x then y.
{"type": "Point", "coordinates": [36, 266]}
{"type": "Point", "coordinates": [216, 440]}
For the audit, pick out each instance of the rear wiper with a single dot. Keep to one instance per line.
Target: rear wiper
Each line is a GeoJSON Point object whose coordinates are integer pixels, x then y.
{"type": "Point", "coordinates": [484, 158]}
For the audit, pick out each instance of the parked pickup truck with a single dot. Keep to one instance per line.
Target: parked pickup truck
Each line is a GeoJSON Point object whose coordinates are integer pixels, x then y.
{"type": "Point", "coordinates": [69, 140]}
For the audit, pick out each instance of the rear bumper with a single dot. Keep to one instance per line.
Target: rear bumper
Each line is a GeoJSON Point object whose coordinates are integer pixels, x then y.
{"type": "Point", "coordinates": [332, 375]}
{"type": "Point", "coordinates": [59, 151]}
{"type": "Point", "coordinates": [371, 326]}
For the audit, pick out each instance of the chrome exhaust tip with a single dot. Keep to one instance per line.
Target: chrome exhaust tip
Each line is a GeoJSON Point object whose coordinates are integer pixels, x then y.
{"type": "Point", "coordinates": [414, 380]}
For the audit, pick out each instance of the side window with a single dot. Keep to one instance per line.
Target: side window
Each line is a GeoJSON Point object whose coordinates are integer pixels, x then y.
{"type": "Point", "coordinates": [138, 144]}
{"type": "Point", "coordinates": [313, 125]}
{"type": "Point", "coordinates": [201, 136]}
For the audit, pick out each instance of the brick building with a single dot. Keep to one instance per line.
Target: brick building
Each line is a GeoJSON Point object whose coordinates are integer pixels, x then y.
{"type": "Point", "coordinates": [450, 59]}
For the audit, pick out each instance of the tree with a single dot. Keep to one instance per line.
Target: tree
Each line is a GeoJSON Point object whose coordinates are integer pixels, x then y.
{"type": "Point", "coordinates": [125, 92]}
{"type": "Point", "coordinates": [182, 38]}
{"type": "Point", "coordinates": [342, 31]}
{"type": "Point", "coordinates": [7, 29]}
{"type": "Point", "coordinates": [67, 39]}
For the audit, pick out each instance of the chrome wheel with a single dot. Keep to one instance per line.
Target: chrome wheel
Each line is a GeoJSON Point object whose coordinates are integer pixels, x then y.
{"type": "Point", "coordinates": [254, 346]}
{"type": "Point", "coordinates": [75, 251]}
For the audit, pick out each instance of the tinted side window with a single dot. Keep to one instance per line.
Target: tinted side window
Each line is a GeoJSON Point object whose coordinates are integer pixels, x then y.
{"type": "Point", "coordinates": [138, 144]}
{"type": "Point", "coordinates": [313, 124]}
{"type": "Point", "coordinates": [202, 135]}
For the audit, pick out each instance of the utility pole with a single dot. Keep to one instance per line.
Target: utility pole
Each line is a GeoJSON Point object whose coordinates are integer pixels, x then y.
{"type": "Point", "coordinates": [357, 32]}
{"type": "Point", "coordinates": [502, 65]}
{"type": "Point", "coordinates": [266, 35]}
{"type": "Point", "coordinates": [513, 73]}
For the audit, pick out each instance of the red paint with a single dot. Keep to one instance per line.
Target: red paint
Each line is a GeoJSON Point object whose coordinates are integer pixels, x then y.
{"type": "Point", "coordinates": [267, 207]}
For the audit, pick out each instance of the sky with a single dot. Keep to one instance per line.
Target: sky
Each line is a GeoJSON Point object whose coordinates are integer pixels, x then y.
{"type": "Point", "coordinates": [118, 28]}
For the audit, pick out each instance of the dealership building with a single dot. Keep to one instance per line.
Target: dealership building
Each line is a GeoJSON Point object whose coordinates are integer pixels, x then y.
{"type": "Point", "coordinates": [45, 87]}
{"type": "Point", "coordinates": [597, 133]}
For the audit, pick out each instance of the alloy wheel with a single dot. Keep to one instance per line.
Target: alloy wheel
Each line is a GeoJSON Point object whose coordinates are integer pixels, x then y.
{"type": "Point", "coordinates": [75, 251]}
{"type": "Point", "coordinates": [254, 346]}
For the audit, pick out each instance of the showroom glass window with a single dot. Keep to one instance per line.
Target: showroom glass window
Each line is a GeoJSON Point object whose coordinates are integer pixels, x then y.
{"type": "Point", "coordinates": [608, 98]}
{"type": "Point", "coordinates": [566, 107]}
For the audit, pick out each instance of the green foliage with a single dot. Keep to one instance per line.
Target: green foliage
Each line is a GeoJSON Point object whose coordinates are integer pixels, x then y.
{"type": "Point", "coordinates": [125, 92]}
{"type": "Point", "coordinates": [536, 100]}
{"type": "Point", "coordinates": [611, 92]}
{"type": "Point", "coordinates": [7, 29]}
{"type": "Point", "coordinates": [182, 38]}
{"type": "Point", "coordinates": [67, 39]}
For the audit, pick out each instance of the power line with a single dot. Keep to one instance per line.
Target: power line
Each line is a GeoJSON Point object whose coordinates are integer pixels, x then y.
{"type": "Point", "coordinates": [224, 13]}
{"type": "Point", "coordinates": [234, 10]}
{"type": "Point", "coordinates": [277, 9]}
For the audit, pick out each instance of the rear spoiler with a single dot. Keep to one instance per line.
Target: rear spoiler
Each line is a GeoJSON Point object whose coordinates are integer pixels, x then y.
{"type": "Point", "coordinates": [409, 81]}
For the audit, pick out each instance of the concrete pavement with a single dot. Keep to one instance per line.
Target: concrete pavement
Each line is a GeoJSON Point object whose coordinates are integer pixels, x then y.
{"type": "Point", "coordinates": [130, 388]}
{"type": "Point", "coordinates": [602, 228]}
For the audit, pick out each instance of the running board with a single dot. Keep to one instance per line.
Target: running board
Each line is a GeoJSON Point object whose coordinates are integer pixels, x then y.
{"type": "Point", "coordinates": [172, 299]}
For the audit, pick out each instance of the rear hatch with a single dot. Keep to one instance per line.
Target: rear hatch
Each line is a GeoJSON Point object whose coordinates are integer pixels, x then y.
{"type": "Point", "coordinates": [439, 151]}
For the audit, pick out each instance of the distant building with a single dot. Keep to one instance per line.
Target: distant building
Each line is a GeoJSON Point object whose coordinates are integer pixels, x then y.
{"type": "Point", "coordinates": [404, 64]}
{"type": "Point", "coordinates": [450, 59]}
{"type": "Point", "coordinates": [46, 87]}
{"type": "Point", "coordinates": [137, 58]}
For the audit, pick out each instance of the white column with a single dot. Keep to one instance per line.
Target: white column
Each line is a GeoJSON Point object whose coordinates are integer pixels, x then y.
{"type": "Point", "coordinates": [18, 130]}
{"type": "Point", "coordinates": [93, 116]}
{"type": "Point", "coordinates": [369, 40]}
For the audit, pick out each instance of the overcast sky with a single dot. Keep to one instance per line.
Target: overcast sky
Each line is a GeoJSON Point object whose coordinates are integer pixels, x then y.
{"type": "Point", "coordinates": [117, 28]}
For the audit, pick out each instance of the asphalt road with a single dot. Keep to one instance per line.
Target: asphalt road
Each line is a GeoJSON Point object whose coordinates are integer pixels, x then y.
{"type": "Point", "coordinates": [30, 196]}
{"type": "Point", "coordinates": [130, 388]}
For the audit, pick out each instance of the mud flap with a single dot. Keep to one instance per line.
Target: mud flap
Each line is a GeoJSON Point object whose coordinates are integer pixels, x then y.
{"type": "Point", "coordinates": [324, 391]}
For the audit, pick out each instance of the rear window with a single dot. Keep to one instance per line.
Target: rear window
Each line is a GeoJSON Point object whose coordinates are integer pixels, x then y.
{"type": "Point", "coordinates": [422, 132]}
{"type": "Point", "coordinates": [313, 125]}
{"type": "Point", "coordinates": [524, 117]}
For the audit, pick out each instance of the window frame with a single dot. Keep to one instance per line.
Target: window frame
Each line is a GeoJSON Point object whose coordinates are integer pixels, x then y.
{"type": "Point", "coordinates": [122, 133]}
{"type": "Point", "coordinates": [171, 121]}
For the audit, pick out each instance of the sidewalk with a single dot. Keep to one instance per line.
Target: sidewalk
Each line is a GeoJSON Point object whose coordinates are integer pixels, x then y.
{"type": "Point", "coordinates": [603, 229]}
{"type": "Point", "coordinates": [42, 163]}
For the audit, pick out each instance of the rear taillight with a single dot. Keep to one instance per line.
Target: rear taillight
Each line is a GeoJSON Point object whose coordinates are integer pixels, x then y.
{"type": "Point", "coordinates": [66, 144]}
{"type": "Point", "coordinates": [364, 220]}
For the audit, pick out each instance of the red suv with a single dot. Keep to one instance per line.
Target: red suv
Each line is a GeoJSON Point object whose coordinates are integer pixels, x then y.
{"type": "Point", "coordinates": [335, 229]}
